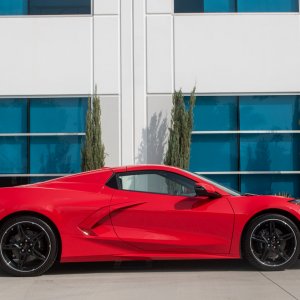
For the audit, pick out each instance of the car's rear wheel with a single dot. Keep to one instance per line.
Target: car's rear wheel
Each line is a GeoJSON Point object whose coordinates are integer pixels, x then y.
{"type": "Point", "coordinates": [272, 242]}
{"type": "Point", "coordinates": [28, 246]}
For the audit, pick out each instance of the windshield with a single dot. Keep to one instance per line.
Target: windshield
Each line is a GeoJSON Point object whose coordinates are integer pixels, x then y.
{"type": "Point", "coordinates": [225, 189]}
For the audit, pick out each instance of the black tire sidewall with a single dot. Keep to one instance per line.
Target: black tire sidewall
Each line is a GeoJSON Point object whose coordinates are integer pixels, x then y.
{"type": "Point", "coordinates": [53, 252]}
{"type": "Point", "coordinates": [246, 245]}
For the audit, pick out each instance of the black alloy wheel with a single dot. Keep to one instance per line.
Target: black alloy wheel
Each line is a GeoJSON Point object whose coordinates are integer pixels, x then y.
{"type": "Point", "coordinates": [272, 243]}
{"type": "Point", "coordinates": [28, 246]}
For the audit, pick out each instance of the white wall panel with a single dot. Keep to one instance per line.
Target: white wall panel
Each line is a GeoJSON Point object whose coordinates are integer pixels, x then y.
{"type": "Point", "coordinates": [159, 6]}
{"type": "Point", "coordinates": [103, 7]}
{"type": "Point", "coordinates": [238, 53]}
{"type": "Point", "coordinates": [110, 129]}
{"type": "Point", "coordinates": [140, 103]}
{"type": "Point", "coordinates": [155, 140]}
{"type": "Point", "coordinates": [159, 54]}
{"type": "Point", "coordinates": [127, 90]}
{"type": "Point", "coordinates": [107, 54]}
{"type": "Point", "coordinates": [45, 56]}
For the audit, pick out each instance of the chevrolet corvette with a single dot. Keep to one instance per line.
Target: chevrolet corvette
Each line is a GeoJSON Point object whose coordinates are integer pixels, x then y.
{"type": "Point", "coordinates": [150, 212]}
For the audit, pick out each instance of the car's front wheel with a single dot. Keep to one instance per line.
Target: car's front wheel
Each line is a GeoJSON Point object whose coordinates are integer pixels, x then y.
{"type": "Point", "coordinates": [28, 246]}
{"type": "Point", "coordinates": [272, 242]}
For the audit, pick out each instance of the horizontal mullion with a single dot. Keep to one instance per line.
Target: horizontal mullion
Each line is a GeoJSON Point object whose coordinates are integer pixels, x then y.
{"type": "Point", "coordinates": [34, 175]}
{"type": "Point", "coordinates": [42, 134]}
{"type": "Point", "coordinates": [250, 173]}
{"type": "Point", "coordinates": [247, 132]}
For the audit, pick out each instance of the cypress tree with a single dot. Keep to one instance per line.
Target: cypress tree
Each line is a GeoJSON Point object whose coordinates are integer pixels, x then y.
{"type": "Point", "coordinates": [93, 152]}
{"type": "Point", "coordinates": [179, 143]}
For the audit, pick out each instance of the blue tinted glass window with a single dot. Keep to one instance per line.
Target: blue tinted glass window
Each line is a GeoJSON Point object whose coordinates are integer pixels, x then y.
{"type": "Point", "coordinates": [55, 155]}
{"type": "Point", "coordinates": [268, 6]}
{"type": "Point", "coordinates": [59, 7]}
{"type": "Point", "coordinates": [219, 6]}
{"type": "Point", "coordinates": [58, 115]}
{"type": "Point", "coordinates": [270, 113]}
{"type": "Point", "coordinates": [13, 7]}
{"type": "Point", "coordinates": [40, 179]}
{"type": "Point", "coordinates": [271, 184]}
{"type": "Point", "coordinates": [13, 115]}
{"type": "Point", "coordinates": [229, 181]}
{"type": "Point", "coordinates": [270, 152]}
{"type": "Point", "coordinates": [215, 113]}
{"type": "Point", "coordinates": [13, 155]}
{"type": "Point", "coordinates": [214, 153]}
{"type": "Point", "coordinates": [188, 6]}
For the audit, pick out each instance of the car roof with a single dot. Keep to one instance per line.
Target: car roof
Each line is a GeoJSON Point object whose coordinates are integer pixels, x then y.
{"type": "Point", "coordinates": [132, 168]}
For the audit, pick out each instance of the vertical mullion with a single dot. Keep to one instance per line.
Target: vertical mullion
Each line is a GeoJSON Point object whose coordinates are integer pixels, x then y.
{"type": "Point", "coordinates": [239, 143]}
{"type": "Point", "coordinates": [28, 137]}
{"type": "Point", "coordinates": [236, 5]}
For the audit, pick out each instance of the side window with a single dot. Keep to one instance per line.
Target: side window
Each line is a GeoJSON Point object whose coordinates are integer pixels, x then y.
{"type": "Point", "coordinates": [157, 182]}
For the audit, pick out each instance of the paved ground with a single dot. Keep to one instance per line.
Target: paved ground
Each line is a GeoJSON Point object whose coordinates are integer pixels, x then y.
{"type": "Point", "coordinates": [155, 281]}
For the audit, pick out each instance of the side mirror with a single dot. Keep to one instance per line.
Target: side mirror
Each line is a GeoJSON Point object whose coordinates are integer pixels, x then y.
{"type": "Point", "coordinates": [205, 190]}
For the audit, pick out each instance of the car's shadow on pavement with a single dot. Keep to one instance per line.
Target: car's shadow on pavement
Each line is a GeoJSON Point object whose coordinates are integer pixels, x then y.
{"type": "Point", "coordinates": [152, 266]}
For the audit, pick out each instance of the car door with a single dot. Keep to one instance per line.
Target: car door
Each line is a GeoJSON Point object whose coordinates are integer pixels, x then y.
{"type": "Point", "coordinates": [158, 211]}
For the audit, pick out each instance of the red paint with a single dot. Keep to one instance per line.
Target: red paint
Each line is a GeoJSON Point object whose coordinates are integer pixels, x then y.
{"type": "Point", "coordinates": [98, 223]}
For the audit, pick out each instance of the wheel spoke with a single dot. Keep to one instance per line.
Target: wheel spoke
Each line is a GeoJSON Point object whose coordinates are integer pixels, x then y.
{"type": "Point", "coordinates": [272, 227]}
{"type": "Point", "coordinates": [37, 236]}
{"type": "Point", "coordinates": [21, 232]}
{"type": "Point", "coordinates": [286, 237]}
{"type": "Point", "coordinates": [265, 254]}
{"type": "Point", "coordinates": [37, 254]}
{"type": "Point", "coordinates": [22, 260]}
{"type": "Point", "coordinates": [10, 247]}
{"type": "Point", "coordinates": [259, 239]}
{"type": "Point", "coordinates": [283, 255]}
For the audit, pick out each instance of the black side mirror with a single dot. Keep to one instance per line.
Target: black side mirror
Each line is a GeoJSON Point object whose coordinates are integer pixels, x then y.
{"type": "Point", "coordinates": [204, 190]}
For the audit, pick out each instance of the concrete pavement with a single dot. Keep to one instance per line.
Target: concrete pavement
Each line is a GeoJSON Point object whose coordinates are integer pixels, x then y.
{"type": "Point", "coordinates": [186, 280]}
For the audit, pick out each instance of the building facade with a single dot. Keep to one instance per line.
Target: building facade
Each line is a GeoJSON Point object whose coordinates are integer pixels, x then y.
{"type": "Point", "coordinates": [243, 56]}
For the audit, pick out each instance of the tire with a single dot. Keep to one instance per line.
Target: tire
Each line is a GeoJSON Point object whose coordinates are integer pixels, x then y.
{"type": "Point", "coordinates": [271, 243]}
{"type": "Point", "coordinates": [28, 246]}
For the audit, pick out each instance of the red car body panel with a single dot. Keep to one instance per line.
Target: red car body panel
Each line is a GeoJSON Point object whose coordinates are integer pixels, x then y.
{"type": "Point", "coordinates": [99, 223]}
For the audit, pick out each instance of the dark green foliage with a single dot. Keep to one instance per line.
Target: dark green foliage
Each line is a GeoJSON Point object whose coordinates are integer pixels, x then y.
{"type": "Point", "coordinates": [179, 144]}
{"type": "Point", "coordinates": [93, 152]}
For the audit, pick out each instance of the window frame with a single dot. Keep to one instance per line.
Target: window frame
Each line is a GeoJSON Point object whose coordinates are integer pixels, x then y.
{"type": "Point", "coordinates": [146, 172]}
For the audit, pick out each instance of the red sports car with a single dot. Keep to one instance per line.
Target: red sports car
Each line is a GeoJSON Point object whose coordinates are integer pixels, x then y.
{"type": "Point", "coordinates": [141, 213]}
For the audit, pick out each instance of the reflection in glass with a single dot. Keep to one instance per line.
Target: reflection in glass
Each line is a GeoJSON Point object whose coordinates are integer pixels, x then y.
{"type": "Point", "coordinates": [214, 153]}
{"type": "Point", "coordinates": [13, 7]}
{"type": "Point", "coordinates": [215, 113]}
{"type": "Point", "coordinates": [267, 6]}
{"type": "Point", "coordinates": [13, 155]}
{"type": "Point", "coordinates": [58, 115]}
{"type": "Point", "coordinates": [55, 155]}
{"type": "Point", "coordinates": [13, 115]}
{"type": "Point", "coordinates": [219, 6]}
{"type": "Point", "coordinates": [271, 184]}
{"type": "Point", "coordinates": [270, 152]}
{"type": "Point", "coordinates": [269, 113]}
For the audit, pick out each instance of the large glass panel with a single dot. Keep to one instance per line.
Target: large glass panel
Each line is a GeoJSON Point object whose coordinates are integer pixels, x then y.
{"type": "Point", "coordinates": [13, 155]}
{"type": "Point", "coordinates": [215, 113]}
{"type": "Point", "coordinates": [13, 115]}
{"type": "Point", "coordinates": [219, 6]}
{"type": "Point", "coordinates": [59, 7]}
{"type": "Point", "coordinates": [188, 6]}
{"type": "Point", "coordinates": [55, 155]}
{"type": "Point", "coordinates": [13, 7]}
{"type": "Point", "coordinates": [214, 153]}
{"type": "Point", "coordinates": [229, 181]}
{"type": "Point", "coordinates": [58, 115]}
{"type": "Point", "coordinates": [268, 6]}
{"type": "Point", "coordinates": [270, 113]}
{"type": "Point", "coordinates": [270, 152]}
{"type": "Point", "coordinates": [271, 184]}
